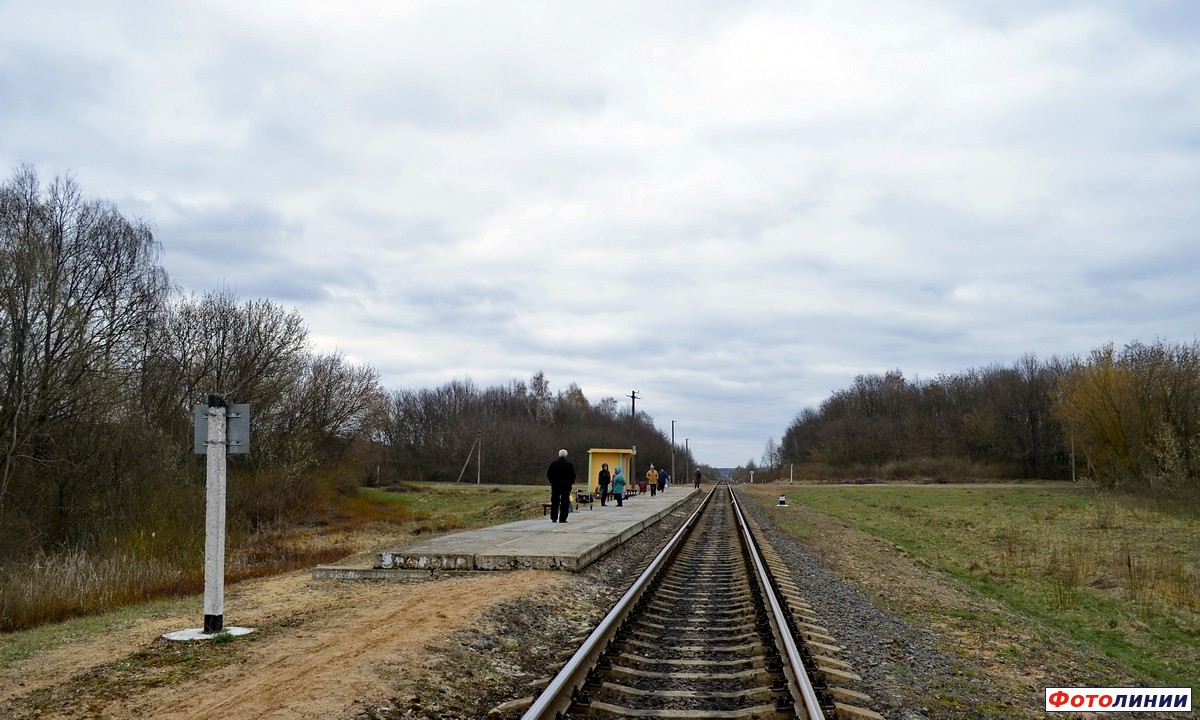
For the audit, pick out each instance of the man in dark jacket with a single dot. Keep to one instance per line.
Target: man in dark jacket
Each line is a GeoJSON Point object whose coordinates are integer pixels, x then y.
{"type": "Point", "coordinates": [561, 475]}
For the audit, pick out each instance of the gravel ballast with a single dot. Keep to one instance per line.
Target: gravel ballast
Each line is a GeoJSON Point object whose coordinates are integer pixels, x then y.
{"type": "Point", "coordinates": [519, 643]}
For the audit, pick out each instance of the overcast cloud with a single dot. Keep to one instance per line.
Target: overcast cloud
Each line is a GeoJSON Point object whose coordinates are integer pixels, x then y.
{"type": "Point", "coordinates": [731, 207]}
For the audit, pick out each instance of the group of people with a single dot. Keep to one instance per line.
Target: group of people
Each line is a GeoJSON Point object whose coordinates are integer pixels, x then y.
{"type": "Point", "coordinates": [561, 475]}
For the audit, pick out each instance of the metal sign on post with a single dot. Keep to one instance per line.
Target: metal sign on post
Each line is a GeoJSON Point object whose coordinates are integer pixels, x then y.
{"type": "Point", "coordinates": [220, 429]}
{"type": "Point", "coordinates": [237, 429]}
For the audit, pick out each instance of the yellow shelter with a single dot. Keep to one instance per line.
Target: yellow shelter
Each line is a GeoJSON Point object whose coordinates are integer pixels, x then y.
{"type": "Point", "coordinates": [618, 457]}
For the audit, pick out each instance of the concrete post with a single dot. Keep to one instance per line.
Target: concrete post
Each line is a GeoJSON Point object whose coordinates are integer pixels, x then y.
{"type": "Point", "coordinates": [214, 519]}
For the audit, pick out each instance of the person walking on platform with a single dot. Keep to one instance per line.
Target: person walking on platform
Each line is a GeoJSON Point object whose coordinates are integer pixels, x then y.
{"type": "Point", "coordinates": [561, 475]}
{"type": "Point", "coordinates": [603, 481]}
{"type": "Point", "coordinates": [651, 480]}
{"type": "Point", "coordinates": [697, 478]}
{"type": "Point", "coordinates": [664, 480]}
{"type": "Point", "coordinates": [618, 487]}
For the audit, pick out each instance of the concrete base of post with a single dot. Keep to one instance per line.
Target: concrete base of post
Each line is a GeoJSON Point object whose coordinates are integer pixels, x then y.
{"type": "Point", "coordinates": [199, 634]}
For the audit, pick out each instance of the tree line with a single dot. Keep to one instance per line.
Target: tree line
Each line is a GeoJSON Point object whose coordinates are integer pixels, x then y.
{"type": "Point", "coordinates": [435, 433]}
{"type": "Point", "coordinates": [102, 359]}
{"type": "Point", "coordinates": [1126, 419]}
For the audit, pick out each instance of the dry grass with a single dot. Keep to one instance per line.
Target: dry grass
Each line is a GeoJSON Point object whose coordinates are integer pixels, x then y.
{"type": "Point", "coordinates": [157, 564]}
{"type": "Point", "coordinates": [73, 583]}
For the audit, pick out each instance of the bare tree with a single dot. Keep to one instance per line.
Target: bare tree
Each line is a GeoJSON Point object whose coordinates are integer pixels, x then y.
{"type": "Point", "coordinates": [79, 285]}
{"type": "Point", "coordinates": [771, 455]}
{"type": "Point", "coordinates": [334, 400]}
{"type": "Point", "coordinates": [101, 360]}
{"type": "Point", "coordinates": [1135, 415]}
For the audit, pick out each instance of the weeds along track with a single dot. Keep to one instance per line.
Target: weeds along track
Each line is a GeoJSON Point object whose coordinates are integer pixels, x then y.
{"type": "Point", "coordinates": [712, 629]}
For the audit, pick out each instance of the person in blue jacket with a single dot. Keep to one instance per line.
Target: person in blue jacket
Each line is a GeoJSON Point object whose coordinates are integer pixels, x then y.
{"type": "Point", "coordinates": [618, 487]}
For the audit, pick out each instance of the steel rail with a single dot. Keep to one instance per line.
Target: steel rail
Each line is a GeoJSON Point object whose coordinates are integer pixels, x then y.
{"type": "Point", "coordinates": [555, 699]}
{"type": "Point", "coordinates": [798, 674]}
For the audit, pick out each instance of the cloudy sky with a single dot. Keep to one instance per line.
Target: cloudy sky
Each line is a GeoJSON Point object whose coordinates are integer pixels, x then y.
{"type": "Point", "coordinates": [731, 207]}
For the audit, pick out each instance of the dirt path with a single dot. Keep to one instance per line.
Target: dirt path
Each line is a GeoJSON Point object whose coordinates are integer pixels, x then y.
{"type": "Point", "coordinates": [322, 647]}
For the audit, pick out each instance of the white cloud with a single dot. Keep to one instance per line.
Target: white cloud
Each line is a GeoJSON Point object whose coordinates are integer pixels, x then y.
{"type": "Point", "coordinates": [734, 208]}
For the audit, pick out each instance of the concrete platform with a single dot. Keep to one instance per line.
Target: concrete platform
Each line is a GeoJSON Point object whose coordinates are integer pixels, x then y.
{"type": "Point", "coordinates": [526, 544]}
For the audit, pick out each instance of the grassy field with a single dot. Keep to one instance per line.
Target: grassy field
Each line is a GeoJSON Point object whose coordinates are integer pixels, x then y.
{"type": "Point", "coordinates": [1107, 573]}
{"type": "Point", "coordinates": [440, 507]}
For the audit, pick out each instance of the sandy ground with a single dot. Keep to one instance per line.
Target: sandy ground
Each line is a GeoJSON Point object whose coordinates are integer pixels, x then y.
{"type": "Point", "coordinates": [323, 646]}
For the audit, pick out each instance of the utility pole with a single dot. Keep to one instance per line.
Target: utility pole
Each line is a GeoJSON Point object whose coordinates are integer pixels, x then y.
{"type": "Point", "coordinates": [687, 453]}
{"type": "Point", "coordinates": [633, 396]}
{"type": "Point", "coordinates": [672, 451]}
{"type": "Point", "coordinates": [477, 442]}
{"type": "Point", "coordinates": [632, 463]}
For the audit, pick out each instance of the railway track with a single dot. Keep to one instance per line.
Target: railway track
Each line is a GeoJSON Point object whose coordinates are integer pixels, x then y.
{"type": "Point", "coordinates": [713, 628]}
